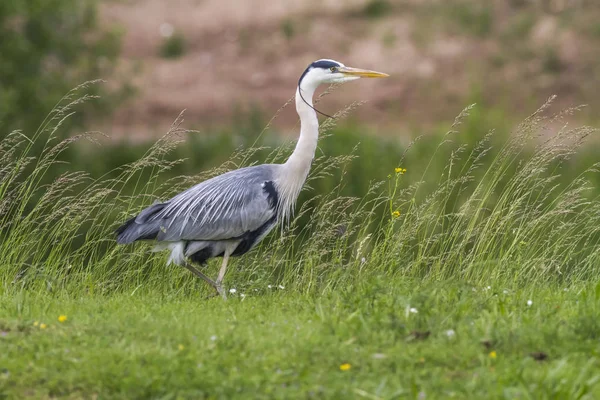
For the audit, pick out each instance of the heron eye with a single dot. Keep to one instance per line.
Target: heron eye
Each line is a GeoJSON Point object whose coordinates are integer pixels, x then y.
{"type": "Point", "coordinates": [333, 69]}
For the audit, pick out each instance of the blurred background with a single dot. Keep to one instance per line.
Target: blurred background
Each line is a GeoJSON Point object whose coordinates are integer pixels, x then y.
{"type": "Point", "coordinates": [232, 64]}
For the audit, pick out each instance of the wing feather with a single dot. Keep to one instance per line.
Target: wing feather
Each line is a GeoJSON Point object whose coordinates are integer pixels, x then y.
{"type": "Point", "coordinates": [224, 207]}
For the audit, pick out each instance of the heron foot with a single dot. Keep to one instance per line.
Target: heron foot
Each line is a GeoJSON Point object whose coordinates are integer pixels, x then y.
{"type": "Point", "coordinates": [220, 290]}
{"type": "Point", "coordinates": [210, 296]}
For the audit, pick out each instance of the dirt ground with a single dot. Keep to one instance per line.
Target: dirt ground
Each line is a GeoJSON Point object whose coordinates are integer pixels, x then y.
{"type": "Point", "coordinates": [242, 54]}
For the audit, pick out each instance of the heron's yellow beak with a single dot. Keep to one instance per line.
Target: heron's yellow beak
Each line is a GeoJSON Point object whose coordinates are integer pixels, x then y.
{"type": "Point", "coordinates": [363, 73]}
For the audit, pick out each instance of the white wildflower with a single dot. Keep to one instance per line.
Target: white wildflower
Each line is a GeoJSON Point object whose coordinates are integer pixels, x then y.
{"type": "Point", "coordinates": [281, 287]}
{"type": "Point", "coordinates": [450, 333]}
{"type": "Point", "coordinates": [529, 303]}
{"type": "Point", "coordinates": [410, 310]}
{"type": "Point", "coordinates": [213, 338]}
{"type": "Point", "coordinates": [232, 290]}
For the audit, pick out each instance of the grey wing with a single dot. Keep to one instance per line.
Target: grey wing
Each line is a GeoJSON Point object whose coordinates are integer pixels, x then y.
{"type": "Point", "coordinates": [225, 207]}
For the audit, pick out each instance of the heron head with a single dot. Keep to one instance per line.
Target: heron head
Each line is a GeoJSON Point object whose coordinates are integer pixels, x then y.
{"type": "Point", "coordinates": [331, 71]}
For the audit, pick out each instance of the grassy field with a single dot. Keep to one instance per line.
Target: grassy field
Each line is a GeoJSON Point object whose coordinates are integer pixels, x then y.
{"type": "Point", "coordinates": [469, 270]}
{"type": "Point", "coordinates": [375, 339]}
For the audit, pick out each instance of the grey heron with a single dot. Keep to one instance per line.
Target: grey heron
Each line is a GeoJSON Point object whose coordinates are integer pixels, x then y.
{"type": "Point", "coordinates": [229, 214]}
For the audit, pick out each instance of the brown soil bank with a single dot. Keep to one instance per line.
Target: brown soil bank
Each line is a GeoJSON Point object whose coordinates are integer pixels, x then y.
{"type": "Point", "coordinates": [216, 57]}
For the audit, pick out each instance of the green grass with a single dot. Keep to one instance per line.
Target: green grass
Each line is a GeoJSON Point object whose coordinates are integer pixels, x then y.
{"type": "Point", "coordinates": [173, 46]}
{"type": "Point", "coordinates": [377, 8]}
{"type": "Point", "coordinates": [466, 236]}
{"type": "Point", "coordinates": [280, 344]}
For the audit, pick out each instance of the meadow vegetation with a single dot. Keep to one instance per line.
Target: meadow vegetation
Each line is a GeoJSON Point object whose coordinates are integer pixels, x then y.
{"type": "Point", "coordinates": [461, 265]}
{"type": "Point", "coordinates": [47, 48]}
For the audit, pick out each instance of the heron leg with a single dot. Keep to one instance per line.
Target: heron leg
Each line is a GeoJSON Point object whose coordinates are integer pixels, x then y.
{"type": "Point", "coordinates": [199, 274]}
{"type": "Point", "coordinates": [219, 281]}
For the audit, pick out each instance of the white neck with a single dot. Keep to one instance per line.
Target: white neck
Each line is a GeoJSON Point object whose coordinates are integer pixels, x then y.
{"type": "Point", "coordinates": [301, 159]}
{"type": "Point", "coordinates": [295, 170]}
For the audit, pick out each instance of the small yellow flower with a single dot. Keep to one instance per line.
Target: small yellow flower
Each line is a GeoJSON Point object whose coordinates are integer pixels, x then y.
{"type": "Point", "coordinates": [399, 170]}
{"type": "Point", "coordinates": [181, 347]}
{"type": "Point", "coordinates": [43, 326]}
{"type": "Point", "coordinates": [493, 354]}
{"type": "Point", "coordinates": [36, 323]}
{"type": "Point", "coordinates": [396, 214]}
{"type": "Point", "coordinates": [345, 367]}
{"type": "Point", "coordinates": [62, 318]}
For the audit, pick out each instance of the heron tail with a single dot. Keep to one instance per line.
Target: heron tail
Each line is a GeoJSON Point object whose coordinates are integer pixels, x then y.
{"type": "Point", "coordinates": [140, 227]}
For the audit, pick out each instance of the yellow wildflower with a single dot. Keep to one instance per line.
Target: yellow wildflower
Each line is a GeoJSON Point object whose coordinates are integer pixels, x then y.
{"type": "Point", "coordinates": [36, 323]}
{"type": "Point", "coordinates": [181, 347]}
{"type": "Point", "coordinates": [396, 214]}
{"type": "Point", "coordinates": [43, 326]}
{"type": "Point", "coordinates": [62, 318]}
{"type": "Point", "coordinates": [399, 170]}
{"type": "Point", "coordinates": [345, 367]}
{"type": "Point", "coordinates": [493, 354]}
